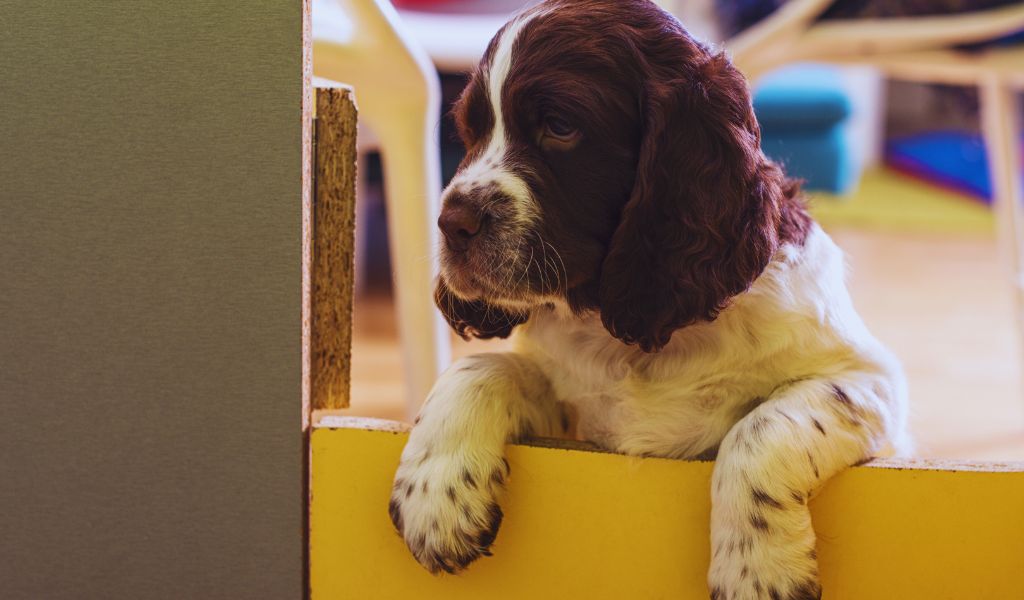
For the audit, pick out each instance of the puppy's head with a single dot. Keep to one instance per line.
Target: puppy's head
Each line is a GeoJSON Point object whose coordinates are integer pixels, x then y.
{"type": "Point", "coordinates": [613, 162]}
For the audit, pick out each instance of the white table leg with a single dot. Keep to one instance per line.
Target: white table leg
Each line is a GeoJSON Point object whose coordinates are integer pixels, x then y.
{"type": "Point", "coordinates": [1001, 128]}
{"type": "Point", "coordinates": [412, 187]}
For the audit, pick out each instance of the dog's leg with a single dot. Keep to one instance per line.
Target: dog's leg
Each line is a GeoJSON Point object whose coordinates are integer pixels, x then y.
{"type": "Point", "coordinates": [770, 464]}
{"type": "Point", "coordinates": [445, 497]}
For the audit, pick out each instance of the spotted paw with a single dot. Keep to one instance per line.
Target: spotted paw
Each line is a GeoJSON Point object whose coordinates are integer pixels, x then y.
{"type": "Point", "coordinates": [807, 591]}
{"type": "Point", "coordinates": [748, 568]}
{"type": "Point", "coordinates": [445, 506]}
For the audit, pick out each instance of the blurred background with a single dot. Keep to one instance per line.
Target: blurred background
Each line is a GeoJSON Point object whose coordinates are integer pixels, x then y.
{"type": "Point", "coordinates": [902, 117]}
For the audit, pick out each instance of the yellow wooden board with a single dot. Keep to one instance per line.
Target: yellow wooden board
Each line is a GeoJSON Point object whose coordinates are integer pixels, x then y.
{"type": "Point", "coordinates": [582, 524]}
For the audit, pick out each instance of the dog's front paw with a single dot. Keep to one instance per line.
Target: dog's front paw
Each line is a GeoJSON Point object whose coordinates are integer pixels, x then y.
{"type": "Point", "coordinates": [744, 567]}
{"type": "Point", "coordinates": [445, 506]}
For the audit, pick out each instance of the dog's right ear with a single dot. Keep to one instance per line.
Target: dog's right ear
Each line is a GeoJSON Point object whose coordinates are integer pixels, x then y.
{"type": "Point", "coordinates": [475, 318]}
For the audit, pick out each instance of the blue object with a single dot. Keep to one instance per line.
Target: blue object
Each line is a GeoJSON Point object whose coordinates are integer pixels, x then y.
{"type": "Point", "coordinates": [954, 159]}
{"type": "Point", "coordinates": [802, 110]}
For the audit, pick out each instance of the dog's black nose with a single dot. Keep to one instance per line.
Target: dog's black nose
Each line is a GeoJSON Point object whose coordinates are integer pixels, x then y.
{"type": "Point", "coordinates": [459, 223]}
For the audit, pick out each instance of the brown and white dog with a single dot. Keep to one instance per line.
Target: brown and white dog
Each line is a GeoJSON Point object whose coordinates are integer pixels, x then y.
{"type": "Point", "coordinates": [666, 288]}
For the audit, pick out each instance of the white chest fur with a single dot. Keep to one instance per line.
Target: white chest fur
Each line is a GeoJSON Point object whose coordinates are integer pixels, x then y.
{"type": "Point", "coordinates": [796, 322]}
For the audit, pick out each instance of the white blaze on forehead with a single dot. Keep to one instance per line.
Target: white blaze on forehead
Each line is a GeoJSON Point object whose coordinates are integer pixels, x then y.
{"type": "Point", "coordinates": [501, 64]}
{"type": "Point", "coordinates": [490, 166]}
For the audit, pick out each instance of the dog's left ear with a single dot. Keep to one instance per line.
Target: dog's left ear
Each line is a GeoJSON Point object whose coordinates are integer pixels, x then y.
{"type": "Point", "coordinates": [701, 222]}
{"type": "Point", "coordinates": [475, 318]}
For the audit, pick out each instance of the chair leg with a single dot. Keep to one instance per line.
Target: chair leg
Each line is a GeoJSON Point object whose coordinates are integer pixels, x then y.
{"type": "Point", "coordinates": [1001, 127]}
{"type": "Point", "coordinates": [363, 209]}
{"type": "Point", "coordinates": [412, 178]}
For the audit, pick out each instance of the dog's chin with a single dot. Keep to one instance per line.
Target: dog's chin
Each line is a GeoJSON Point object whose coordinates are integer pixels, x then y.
{"type": "Point", "coordinates": [469, 284]}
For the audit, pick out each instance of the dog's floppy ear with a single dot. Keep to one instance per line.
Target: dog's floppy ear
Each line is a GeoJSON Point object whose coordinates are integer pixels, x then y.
{"type": "Point", "coordinates": [475, 318]}
{"type": "Point", "coordinates": [701, 222]}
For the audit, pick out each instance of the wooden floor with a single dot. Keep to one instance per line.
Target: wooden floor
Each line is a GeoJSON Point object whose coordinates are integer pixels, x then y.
{"type": "Point", "coordinates": [940, 301]}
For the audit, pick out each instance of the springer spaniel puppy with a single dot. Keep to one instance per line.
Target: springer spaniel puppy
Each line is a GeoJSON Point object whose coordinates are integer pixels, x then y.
{"type": "Point", "coordinates": [668, 295]}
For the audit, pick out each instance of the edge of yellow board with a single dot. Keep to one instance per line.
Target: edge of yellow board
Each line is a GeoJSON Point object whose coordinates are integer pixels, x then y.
{"type": "Point", "coordinates": [585, 524]}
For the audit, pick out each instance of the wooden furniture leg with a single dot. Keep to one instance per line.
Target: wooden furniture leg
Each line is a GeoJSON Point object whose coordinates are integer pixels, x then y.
{"type": "Point", "coordinates": [1001, 127]}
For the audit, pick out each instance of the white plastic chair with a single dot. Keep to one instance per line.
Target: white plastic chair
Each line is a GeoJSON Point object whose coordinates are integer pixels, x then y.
{"type": "Point", "coordinates": [792, 34]}
{"type": "Point", "coordinates": [920, 49]}
{"type": "Point", "coordinates": [364, 44]}
{"type": "Point", "coordinates": [455, 41]}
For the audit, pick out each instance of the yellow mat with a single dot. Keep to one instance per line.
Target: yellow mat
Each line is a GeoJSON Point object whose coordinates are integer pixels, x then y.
{"type": "Point", "coordinates": [889, 201]}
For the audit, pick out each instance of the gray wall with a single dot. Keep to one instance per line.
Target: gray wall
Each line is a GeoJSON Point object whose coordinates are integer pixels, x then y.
{"type": "Point", "coordinates": [150, 442]}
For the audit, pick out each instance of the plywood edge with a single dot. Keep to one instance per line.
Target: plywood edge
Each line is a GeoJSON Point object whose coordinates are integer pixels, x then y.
{"type": "Point", "coordinates": [307, 207]}
{"type": "Point", "coordinates": [333, 241]}
{"type": "Point", "coordinates": [342, 422]}
{"type": "Point", "coordinates": [361, 423]}
{"type": "Point", "coordinates": [324, 83]}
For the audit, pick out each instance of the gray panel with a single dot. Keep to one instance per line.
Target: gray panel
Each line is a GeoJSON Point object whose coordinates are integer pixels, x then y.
{"type": "Point", "coordinates": [150, 242]}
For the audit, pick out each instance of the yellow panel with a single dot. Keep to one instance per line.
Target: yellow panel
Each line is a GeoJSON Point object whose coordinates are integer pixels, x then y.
{"type": "Point", "coordinates": [584, 524]}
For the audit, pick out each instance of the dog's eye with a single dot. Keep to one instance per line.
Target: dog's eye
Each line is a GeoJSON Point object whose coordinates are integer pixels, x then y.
{"type": "Point", "coordinates": [559, 129]}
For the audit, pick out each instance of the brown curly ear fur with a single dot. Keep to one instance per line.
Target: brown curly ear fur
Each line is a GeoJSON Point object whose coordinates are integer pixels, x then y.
{"type": "Point", "coordinates": [475, 318]}
{"type": "Point", "coordinates": [707, 207]}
